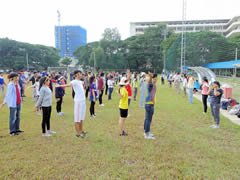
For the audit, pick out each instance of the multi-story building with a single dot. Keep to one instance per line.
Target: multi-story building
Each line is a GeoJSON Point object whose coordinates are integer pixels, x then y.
{"type": "Point", "coordinates": [69, 38]}
{"type": "Point", "coordinates": [227, 27]}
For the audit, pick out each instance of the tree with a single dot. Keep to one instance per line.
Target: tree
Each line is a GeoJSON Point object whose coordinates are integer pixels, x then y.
{"type": "Point", "coordinates": [13, 55]}
{"type": "Point", "coordinates": [66, 61]}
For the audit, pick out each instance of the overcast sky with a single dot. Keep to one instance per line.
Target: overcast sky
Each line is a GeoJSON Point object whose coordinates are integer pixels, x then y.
{"type": "Point", "coordinates": [33, 21]}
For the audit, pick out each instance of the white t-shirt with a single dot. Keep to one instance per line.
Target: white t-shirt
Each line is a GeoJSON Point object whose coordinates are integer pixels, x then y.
{"type": "Point", "coordinates": [110, 83]}
{"type": "Point", "coordinates": [79, 90]}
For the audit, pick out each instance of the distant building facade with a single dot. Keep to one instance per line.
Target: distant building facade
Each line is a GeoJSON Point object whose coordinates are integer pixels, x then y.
{"type": "Point", "coordinates": [69, 38]}
{"type": "Point", "coordinates": [226, 27]}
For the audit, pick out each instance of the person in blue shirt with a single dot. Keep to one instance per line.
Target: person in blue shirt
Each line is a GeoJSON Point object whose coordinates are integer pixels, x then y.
{"type": "Point", "coordinates": [14, 100]}
{"type": "Point", "coordinates": [2, 83]}
{"type": "Point", "coordinates": [196, 86]}
{"type": "Point", "coordinates": [93, 95]}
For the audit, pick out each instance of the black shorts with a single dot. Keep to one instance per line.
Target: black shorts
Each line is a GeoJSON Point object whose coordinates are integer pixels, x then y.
{"type": "Point", "coordinates": [123, 113]}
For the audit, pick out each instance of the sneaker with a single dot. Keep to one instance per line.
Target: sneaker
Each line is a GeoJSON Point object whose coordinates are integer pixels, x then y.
{"type": "Point", "coordinates": [51, 132]}
{"type": "Point", "coordinates": [213, 126]}
{"type": "Point", "coordinates": [82, 135]}
{"type": "Point", "coordinates": [13, 134]}
{"type": "Point", "coordinates": [216, 127]}
{"type": "Point", "coordinates": [150, 134]}
{"type": "Point", "coordinates": [84, 132]}
{"type": "Point", "coordinates": [62, 113]}
{"type": "Point", "coordinates": [149, 137]}
{"type": "Point", "coordinates": [46, 135]}
{"type": "Point", "coordinates": [19, 131]}
{"type": "Point", "coordinates": [101, 104]}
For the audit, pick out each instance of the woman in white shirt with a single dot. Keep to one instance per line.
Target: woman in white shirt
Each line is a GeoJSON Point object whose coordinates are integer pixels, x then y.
{"type": "Point", "coordinates": [110, 83]}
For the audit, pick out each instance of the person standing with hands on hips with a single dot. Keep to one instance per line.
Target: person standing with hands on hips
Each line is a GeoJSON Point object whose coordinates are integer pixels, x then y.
{"type": "Point", "coordinates": [14, 100]}
{"type": "Point", "coordinates": [215, 93]}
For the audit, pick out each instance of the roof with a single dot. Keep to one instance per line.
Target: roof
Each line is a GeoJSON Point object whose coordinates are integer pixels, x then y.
{"type": "Point", "coordinates": [223, 65]}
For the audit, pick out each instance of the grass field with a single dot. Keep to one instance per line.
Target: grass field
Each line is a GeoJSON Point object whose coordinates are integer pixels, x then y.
{"type": "Point", "coordinates": [185, 146]}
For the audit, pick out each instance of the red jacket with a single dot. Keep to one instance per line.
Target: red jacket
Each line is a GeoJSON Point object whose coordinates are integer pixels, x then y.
{"type": "Point", "coordinates": [129, 90]}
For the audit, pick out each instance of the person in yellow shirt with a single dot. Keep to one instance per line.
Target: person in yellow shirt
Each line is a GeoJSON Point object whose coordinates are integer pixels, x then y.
{"type": "Point", "coordinates": [123, 106]}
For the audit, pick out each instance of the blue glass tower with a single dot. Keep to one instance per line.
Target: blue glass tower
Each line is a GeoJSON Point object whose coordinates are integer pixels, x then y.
{"type": "Point", "coordinates": [69, 38]}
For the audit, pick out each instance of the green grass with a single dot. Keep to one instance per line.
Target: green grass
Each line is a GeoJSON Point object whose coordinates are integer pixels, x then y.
{"type": "Point", "coordinates": [185, 146]}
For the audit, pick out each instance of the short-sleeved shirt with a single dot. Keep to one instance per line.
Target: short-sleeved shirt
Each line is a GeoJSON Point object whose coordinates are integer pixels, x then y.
{"type": "Point", "coordinates": [1, 80]}
{"type": "Point", "coordinates": [79, 90]}
{"type": "Point", "coordinates": [92, 88]}
{"type": "Point", "coordinates": [123, 104]}
{"type": "Point", "coordinates": [205, 88]}
{"type": "Point", "coordinates": [216, 99]}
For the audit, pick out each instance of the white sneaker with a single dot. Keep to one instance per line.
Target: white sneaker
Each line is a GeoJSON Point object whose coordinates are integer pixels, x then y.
{"type": "Point", "coordinates": [51, 132]}
{"type": "Point", "coordinates": [216, 127]}
{"type": "Point", "coordinates": [149, 134]}
{"type": "Point", "coordinates": [61, 113]}
{"type": "Point", "coordinates": [149, 137]}
{"type": "Point", "coordinates": [213, 126]}
{"type": "Point", "coordinates": [101, 105]}
{"type": "Point", "coordinates": [46, 135]}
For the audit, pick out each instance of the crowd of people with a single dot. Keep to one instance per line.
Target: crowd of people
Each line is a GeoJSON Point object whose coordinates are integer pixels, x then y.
{"type": "Point", "coordinates": [210, 91]}
{"type": "Point", "coordinates": [84, 86]}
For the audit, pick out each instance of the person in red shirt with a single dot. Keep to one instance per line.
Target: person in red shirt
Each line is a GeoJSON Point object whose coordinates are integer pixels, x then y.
{"type": "Point", "coordinates": [101, 88]}
{"type": "Point", "coordinates": [128, 87]}
{"type": "Point", "coordinates": [13, 100]}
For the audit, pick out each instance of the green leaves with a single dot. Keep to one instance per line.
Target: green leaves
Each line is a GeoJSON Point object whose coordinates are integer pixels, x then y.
{"type": "Point", "coordinates": [13, 55]}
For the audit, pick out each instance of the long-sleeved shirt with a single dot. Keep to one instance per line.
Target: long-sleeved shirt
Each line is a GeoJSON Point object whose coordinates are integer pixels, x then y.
{"type": "Point", "coordinates": [45, 98]}
{"type": "Point", "coordinates": [11, 96]}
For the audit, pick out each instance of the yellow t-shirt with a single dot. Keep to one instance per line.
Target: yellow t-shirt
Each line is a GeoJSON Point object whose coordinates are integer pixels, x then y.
{"type": "Point", "coordinates": [123, 104]}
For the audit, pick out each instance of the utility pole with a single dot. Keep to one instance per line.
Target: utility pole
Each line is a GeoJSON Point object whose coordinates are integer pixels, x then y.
{"type": "Point", "coordinates": [183, 41]}
{"type": "Point", "coordinates": [94, 58]}
{"type": "Point", "coordinates": [164, 52]}
{"type": "Point", "coordinates": [59, 30]}
{"type": "Point", "coordinates": [27, 60]}
{"type": "Point", "coordinates": [236, 58]}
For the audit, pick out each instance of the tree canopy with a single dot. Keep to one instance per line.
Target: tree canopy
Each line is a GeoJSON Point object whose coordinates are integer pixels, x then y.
{"type": "Point", "coordinates": [13, 55]}
{"type": "Point", "coordinates": [145, 52]}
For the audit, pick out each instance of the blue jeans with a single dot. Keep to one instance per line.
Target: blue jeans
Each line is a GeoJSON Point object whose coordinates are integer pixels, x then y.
{"type": "Point", "coordinates": [149, 110]}
{"type": "Point", "coordinates": [14, 119]}
{"type": "Point", "coordinates": [215, 109]}
{"type": "Point", "coordinates": [190, 94]}
{"type": "Point", "coordinates": [110, 90]}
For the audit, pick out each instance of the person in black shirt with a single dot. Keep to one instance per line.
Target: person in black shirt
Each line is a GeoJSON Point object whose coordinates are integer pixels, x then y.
{"type": "Point", "coordinates": [215, 93]}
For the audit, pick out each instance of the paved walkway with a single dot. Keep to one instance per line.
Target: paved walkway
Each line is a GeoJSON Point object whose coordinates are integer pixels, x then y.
{"type": "Point", "coordinates": [225, 113]}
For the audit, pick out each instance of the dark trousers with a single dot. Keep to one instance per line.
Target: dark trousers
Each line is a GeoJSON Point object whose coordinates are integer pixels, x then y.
{"type": "Point", "coordinates": [149, 110]}
{"type": "Point", "coordinates": [59, 104]}
{"type": "Point", "coordinates": [46, 115]}
{"type": "Point", "coordinates": [110, 90]}
{"type": "Point", "coordinates": [92, 108]}
{"type": "Point", "coordinates": [215, 108]}
{"type": "Point", "coordinates": [100, 96]}
{"type": "Point", "coordinates": [204, 101]}
{"type": "Point", "coordinates": [86, 93]}
{"type": "Point", "coordinates": [106, 90]}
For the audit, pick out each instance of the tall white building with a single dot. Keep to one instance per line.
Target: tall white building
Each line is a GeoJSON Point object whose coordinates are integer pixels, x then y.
{"type": "Point", "coordinates": [227, 27]}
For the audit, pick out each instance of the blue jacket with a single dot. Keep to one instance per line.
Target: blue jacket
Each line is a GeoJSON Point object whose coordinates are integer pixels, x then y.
{"type": "Point", "coordinates": [59, 92]}
{"type": "Point", "coordinates": [11, 96]}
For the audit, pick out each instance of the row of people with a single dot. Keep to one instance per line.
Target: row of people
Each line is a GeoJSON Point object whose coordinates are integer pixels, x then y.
{"type": "Point", "coordinates": [42, 93]}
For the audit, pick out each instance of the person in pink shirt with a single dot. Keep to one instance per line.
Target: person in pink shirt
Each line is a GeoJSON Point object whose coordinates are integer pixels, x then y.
{"type": "Point", "coordinates": [205, 88]}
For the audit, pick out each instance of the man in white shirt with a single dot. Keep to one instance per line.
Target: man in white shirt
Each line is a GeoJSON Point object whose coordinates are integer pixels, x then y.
{"type": "Point", "coordinates": [79, 102]}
